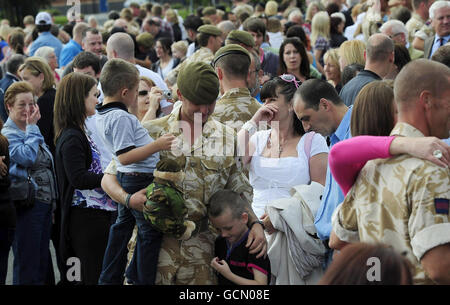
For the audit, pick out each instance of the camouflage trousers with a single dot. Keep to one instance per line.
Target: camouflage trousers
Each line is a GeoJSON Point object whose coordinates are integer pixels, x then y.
{"type": "Point", "coordinates": [186, 262]}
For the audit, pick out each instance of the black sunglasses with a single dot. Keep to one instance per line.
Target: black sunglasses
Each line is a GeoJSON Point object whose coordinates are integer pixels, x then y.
{"type": "Point", "coordinates": [143, 92]}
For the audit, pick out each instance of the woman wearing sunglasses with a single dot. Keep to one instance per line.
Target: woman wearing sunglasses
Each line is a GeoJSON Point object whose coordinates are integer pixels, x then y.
{"type": "Point", "coordinates": [277, 158]}
{"type": "Point", "coordinates": [144, 101]}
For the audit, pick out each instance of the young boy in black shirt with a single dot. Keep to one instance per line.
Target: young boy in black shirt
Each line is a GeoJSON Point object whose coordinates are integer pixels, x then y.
{"type": "Point", "coordinates": [234, 264]}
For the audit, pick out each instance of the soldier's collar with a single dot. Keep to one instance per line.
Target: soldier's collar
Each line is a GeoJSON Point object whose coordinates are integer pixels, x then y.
{"type": "Point", "coordinates": [236, 91]}
{"type": "Point", "coordinates": [406, 130]}
{"type": "Point", "coordinates": [211, 128]}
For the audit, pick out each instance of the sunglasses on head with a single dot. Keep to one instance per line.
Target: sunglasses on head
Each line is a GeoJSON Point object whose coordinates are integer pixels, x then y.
{"type": "Point", "coordinates": [290, 78]}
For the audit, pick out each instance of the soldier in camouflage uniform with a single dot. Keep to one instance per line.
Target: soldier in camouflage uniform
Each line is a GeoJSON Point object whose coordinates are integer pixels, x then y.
{"type": "Point", "coordinates": [210, 40]}
{"type": "Point", "coordinates": [236, 106]}
{"type": "Point", "coordinates": [404, 201]}
{"type": "Point", "coordinates": [207, 156]}
{"type": "Point", "coordinates": [165, 207]}
{"type": "Point", "coordinates": [418, 18]}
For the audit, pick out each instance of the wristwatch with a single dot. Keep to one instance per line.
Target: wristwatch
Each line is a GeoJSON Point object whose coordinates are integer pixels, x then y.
{"type": "Point", "coordinates": [250, 127]}
{"type": "Point", "coordinates": [257, 221]}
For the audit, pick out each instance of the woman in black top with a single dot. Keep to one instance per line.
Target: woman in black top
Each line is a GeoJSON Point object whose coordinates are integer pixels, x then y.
{"type": "Point", "coordinates": [38, 73]}
{"type": "Point", "coordinates": [86, 210]}
{"type": "Point", "coordinates": [336, 32]}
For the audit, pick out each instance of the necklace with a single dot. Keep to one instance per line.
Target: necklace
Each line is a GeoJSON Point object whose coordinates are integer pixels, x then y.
{"type": "Point", "coordinates": [280, 145]}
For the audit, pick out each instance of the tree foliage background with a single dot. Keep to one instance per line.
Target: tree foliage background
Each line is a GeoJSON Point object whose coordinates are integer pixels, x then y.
{"type": "Point", "coordinates": [15, 10]}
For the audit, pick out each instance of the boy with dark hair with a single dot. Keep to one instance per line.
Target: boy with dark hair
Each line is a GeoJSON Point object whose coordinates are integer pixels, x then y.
{"type": "Point", "coordinates": [87, 63]}
{"type": "Point", "coordinates": [235, 266]}
{"type": "Point", "coordinates": [136, 155]}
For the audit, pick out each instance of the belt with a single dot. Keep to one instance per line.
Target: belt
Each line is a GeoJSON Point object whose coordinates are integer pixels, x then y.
{"type": "Point", "coordinates": [135, 174]}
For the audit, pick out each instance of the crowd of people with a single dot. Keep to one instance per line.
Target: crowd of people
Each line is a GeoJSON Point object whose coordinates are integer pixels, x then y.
{"type": "Point", "coordinates": [269, 143]}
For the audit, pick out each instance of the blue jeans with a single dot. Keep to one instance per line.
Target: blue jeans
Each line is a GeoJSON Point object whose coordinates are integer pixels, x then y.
{"type": "Point", "coordinates": [31, 244]}
{"type": "Point", "coordinates": [142, 268]}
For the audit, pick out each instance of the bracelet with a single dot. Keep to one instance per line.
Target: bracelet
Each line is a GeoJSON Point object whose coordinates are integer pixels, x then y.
{"type": "Point", "coordinates": [250, 127]}
{"type": "Point", "coordinates": [127, 201]}
{"type": "Point", "coordinates": [257, 221]}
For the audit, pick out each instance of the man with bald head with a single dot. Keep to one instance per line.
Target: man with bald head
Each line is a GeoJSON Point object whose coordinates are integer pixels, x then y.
{"type": "Point", "coordinates": [379, 55]}
{"type": "Point", "coordinates": [121, 45]}
{"type": "Point", "coordinates": [403, 201]}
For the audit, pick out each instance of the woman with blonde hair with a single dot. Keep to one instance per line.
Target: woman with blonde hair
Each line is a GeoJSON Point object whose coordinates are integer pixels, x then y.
{"type": "Point", "coordinates": [38, 73]}
{"type": "Point", "coordinates": [320, 37]}
{"type": "Point", "coordinates": [351, 52]}
{"type": "Point", "coordinates": [313, 8]}
{"type": "Point", "coordinates": [332, 69]}
{"type": "Point", "coordinates": [172, 18]}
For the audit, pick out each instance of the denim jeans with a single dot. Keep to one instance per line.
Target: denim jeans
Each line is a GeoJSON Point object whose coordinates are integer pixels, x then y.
{"type": "Point", "coordinates": [142, 268]}
{"type": "Point", "coordinates": [31, 244]}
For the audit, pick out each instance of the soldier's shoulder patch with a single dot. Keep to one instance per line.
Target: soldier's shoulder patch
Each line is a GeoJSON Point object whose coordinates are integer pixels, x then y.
{"type": "Point", "coordinates": [441, 205]}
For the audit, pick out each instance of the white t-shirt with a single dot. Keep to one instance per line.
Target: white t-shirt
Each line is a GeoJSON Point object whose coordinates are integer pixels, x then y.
{"type": "Point", "coordinates": [273, 178]}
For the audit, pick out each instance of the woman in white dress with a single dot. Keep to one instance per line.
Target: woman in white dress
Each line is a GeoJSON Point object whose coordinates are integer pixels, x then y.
{"type": "Point", "coordinates": [276, 157]}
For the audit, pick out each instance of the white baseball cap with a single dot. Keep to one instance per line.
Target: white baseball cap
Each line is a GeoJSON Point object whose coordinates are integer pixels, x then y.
{"type": "Point", "coordinates": [43, 18]}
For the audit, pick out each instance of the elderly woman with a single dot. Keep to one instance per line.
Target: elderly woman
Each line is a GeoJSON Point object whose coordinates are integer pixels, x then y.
{"type": "Point", "coordinates": [48, 54]}
{"type": "Point", "coordinates": [31, 172]}
{"type": "Point", "coordinates": [38, 73]}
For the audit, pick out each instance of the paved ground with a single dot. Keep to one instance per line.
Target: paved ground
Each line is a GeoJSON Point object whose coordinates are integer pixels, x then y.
{"type": "Point", "coordinates": [10, 265]}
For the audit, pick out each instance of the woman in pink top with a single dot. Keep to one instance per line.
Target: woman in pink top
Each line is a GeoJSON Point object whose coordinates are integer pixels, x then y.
{"type": "Point", "coordinates": [373, 117]}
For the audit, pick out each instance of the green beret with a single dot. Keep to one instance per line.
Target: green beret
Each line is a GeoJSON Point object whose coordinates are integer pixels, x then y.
{"type": "Point", "coordinates": [145, 39]}
{"type": "Point", "coordinates": [241, 37]}
{"type": "Point", "coordinates": [198, 82]}
{"type": "Point", "coordinates": [230, 49]}
{"type": "Point", "coordinates": [210, 29]}
{"type": "Point", "coordinates": [209, 10]}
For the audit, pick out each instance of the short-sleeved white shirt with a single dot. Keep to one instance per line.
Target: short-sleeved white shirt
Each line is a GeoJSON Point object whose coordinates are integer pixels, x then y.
{"type": "Point", "coordinates": [273, 178]}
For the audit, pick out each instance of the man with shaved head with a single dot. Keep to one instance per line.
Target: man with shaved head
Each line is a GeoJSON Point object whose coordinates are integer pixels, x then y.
{"type": "Point", "coordinates": [403, 201]}
{"type": "Point", "coordinates": [379, 56]}
{"type": "Point", "coordinates": [121, 45]}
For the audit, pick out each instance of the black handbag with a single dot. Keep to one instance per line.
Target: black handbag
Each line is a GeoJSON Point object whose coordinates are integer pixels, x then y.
{"type": "Point", "coordinates": [23, 193]}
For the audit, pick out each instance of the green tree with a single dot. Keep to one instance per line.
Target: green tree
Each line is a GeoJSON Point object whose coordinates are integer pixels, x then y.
{"type": "Point", "coordinates": [15, 10]}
